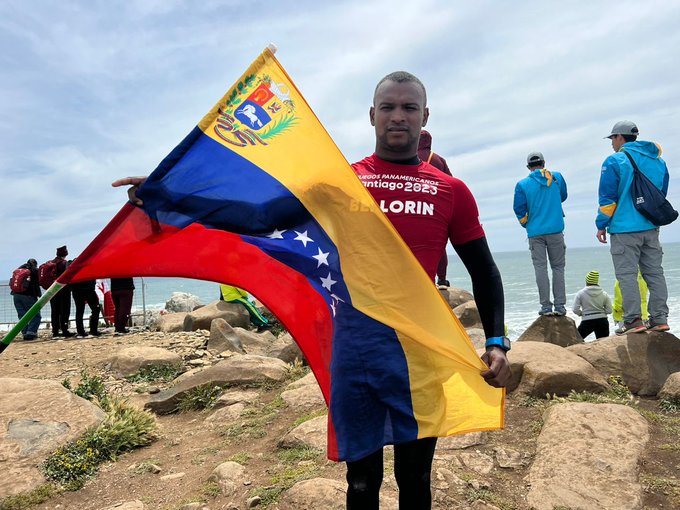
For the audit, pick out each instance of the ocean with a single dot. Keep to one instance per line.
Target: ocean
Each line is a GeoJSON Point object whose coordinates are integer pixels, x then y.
{"type": "Point", "coordinates": [521, 296]}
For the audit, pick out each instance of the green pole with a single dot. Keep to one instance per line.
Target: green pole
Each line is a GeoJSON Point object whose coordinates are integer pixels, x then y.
{"type": "Point", "coordinates": [32, 312]}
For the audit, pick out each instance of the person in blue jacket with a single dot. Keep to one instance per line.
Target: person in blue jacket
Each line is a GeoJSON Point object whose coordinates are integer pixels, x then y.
{"type": "Point", "coordinates": [538, 207]}
{"type": "Point", "coordinates": [634, 239]}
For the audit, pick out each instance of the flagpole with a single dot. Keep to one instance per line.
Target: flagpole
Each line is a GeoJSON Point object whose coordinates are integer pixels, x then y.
{"type": "Point", "coordinates": [32, 312]}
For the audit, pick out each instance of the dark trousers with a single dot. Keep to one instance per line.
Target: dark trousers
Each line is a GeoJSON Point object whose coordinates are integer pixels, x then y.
{"type": "Point", "coordinates": [122, 300]}
{"type": "Point", "coordinates": [60, 310]}
{"type": "Point", "coordinates": [412, 469]}
{"type": "Point", "coordinates": [89, 296]}
{"type": "Point", "coordinates": [599, 326]}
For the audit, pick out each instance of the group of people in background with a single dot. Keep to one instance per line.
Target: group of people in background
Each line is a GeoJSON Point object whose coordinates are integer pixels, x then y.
{"type": "Point", "coordinates": [635, 248]}
{"type": "Point", "coordinates": [83, 293]}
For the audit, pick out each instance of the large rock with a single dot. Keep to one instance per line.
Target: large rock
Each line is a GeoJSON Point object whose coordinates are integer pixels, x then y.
{"type": "Point", "coordinates": [129, 361]}
{"type": "Point", "coordinates": [643, 360]}
{"type": "Point", "coordinates": [542, 368]}
{"type": "Point", "coordinates": [558, 330]}
{"type": "Point", "coordinates": [477, 337]}
{"type": "Point", "coordinates": [246, 370]}
{"type": "Point", "coordinates": [456, 297]}
{"type": "Point", "coordinates": [468, 315]}
{"type": "Point", "coordinates": [37, 416]}
{"type": "Point", "coordinates": [135, 504]}
{"type": "Point", "coordinates": [311, 433]}
{"type": "Point", "coordinates": [305, 395]}
{"type": "Point", "coordinates": [323, 494]}
{"type": "Point", "coordinates": [234, 313]}
{"type": "Point", "coordinates": [229, 476]}
{"type": "Point", "coordinates": [170, 322]}
{"type": "Point", "coordinates": [223, 338]}
{"type": "Point", "coordinates": [286, 349]}
{"type": "Point", "coordinates": [182, 302]}
{"type": "Point", "coordinates": [587, 457]}
{"type": "Point", "coordinates": [671, 388]}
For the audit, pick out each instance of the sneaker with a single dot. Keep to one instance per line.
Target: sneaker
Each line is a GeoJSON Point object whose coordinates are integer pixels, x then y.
{"type": "Point", "coordinates": [651, 326]}
{"type": "Point", "coordinates": [95, 333]}
{"type": "Point", "coordinates": [635, 326]}
{"type": "Point", "coordinates": [30, 336]}
{"type": "Point", "coordinates": [443, 284]}
{"type": "Point", "coordinates": [67, 334]}
{"type": "Point", "coordinates": [84, 335]}
{"type": "Point", "coordinates": [546, 310]}
{"type": "Point", "coordinates": [560, 310]}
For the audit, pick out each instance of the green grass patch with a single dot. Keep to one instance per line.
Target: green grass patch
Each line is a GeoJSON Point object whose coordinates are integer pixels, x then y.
{"type": "Point", "coordinates": [30, 498]}
{"type": "Point", "coordinates": [670, 405]}
{"type": "Point", "coordinates": [298, 454]}
{"type": "Point", "coordinates": [617, 393]}
{"type": "Point", "coordinates": [199, 398]}
{"type": "Point", "coordinates": [90, 387]}
{"type": "Point", "coordinates": [283, 481]}
{"type": "Point", "coordinates": [658, 484]}
{"type": "Point", "coordinates": [211, 489]}
{"type": "Point", "coordinates": [124, 428]}
{"type": "Point", "coordinates": [310, 416]}
{"type": "Point", "coordinates": [297, 370]}
{"type": "Point", "coordinates": [242, 458]}
{"type": "Point", "coordinates": [472, 495]}
{"type": "Point", "coordinates": [155, 373]}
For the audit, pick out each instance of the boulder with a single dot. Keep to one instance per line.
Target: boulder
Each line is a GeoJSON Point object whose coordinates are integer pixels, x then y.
{"type": "Point", "coordinates": [460, 441]}
{"type": "Point", "coordinates": [311, 433]}
{"type": "Point", "coordinates": [182, 302]}
{"type": "Point", "coordinates": [671, 388]}
{"type": "Point", "coordinates": [643, 360]}
{"type": "Point", "coordinates": [37, 416]}
{"type": "Point", "coordinates": [223, 338]}
{"type": "Point", "coordinates": [304, 396]}
{"type": "Point", "coordinates": [149, 319]}
{"type": "Point", "coordinates": [229, 476]}
{"type": "Point", "coordinates": [135, 504]}
{"type": "Point", "coordinates": [587, 457]}
{"type": "Point", "coordinates": [542, 368]}
{"type": "Point", "coordinates": [245, 370]}
{"type": "Point", "coordinates": [456, 297]}
{"type": "Point", "coordinates": [552, 329]}
{"type": "Point", "coordinates": [286, 349]}
{"type": "Point", "coordinates": [170, 322]}
{"type": "Point", "coordinates": [130, 360]}
{"type": "Point", "coordinates": [468, 315]}
{"type": "Point", "coordinates": [477, 337]}
{"type": "Point", "coordinates": [234, 313]}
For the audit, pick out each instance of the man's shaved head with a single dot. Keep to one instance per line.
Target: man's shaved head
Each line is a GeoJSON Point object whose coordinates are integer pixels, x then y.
{"type": "Point", "coordinates": [401, 77]}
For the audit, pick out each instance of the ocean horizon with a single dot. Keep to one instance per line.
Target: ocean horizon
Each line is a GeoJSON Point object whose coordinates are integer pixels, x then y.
{"type": "Point", "coordinates": [521, 295]}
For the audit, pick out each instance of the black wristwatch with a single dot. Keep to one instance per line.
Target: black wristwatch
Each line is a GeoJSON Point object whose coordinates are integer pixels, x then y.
{"type": "Point", "coordinates": [498, 341]}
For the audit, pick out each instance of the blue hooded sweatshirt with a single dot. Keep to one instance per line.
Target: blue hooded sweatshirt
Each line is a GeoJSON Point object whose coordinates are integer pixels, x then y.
{"type": "Point", "coordinates": [617, 213]}
{"type": "Point", "coordinates": [538, 202]}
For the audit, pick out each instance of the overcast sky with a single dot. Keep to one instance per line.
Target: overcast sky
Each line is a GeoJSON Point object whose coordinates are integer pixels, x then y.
{"type": "Point", "coordinates": [96, 90]}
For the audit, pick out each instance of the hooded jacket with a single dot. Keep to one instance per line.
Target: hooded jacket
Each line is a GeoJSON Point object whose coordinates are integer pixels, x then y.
{"type": "Point", "coordinates": [425, 153]}
{"type": "Point", "coordinates": [617, 213]}
{"type": "Point", "coordinates": [592, 302]}
{"type": "Point", "coordinates": [538, 202]}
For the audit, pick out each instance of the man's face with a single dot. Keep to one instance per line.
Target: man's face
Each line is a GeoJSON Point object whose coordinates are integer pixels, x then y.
{"type": "Point", "coordinates": [398, 113]}
{"type": "Point", "coordinates": [617, 142]}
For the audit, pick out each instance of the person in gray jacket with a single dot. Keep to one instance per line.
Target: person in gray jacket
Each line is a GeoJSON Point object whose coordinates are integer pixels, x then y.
{"type": "Point", "coordinates": [593, 305]}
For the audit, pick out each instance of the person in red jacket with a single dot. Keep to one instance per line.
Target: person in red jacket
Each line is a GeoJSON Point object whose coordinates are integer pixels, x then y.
{"type": "Point", "coordinates": [425, 153]}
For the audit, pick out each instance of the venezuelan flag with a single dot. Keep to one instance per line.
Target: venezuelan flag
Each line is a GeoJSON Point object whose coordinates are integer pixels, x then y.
{"type": "Point", "coordinates": [258, 196]}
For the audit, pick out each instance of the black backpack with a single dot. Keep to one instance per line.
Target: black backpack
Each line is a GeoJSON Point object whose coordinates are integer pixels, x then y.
{"type": "Point", "coordinates": [649, 200]}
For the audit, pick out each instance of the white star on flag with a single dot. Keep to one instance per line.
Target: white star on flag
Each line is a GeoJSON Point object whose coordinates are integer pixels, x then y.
{"type": "Point", "coordinates": [277, 234]}
{"type": "Point", "coordinates": [303, 238]}
{"type": "Point", "coordinates": [322, 258]}
{"type": "Point", "coordinates": [327, 282]}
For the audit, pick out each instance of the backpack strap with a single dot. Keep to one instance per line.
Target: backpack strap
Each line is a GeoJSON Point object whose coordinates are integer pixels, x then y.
{"type": "Point", "coordinates": [429, 158]}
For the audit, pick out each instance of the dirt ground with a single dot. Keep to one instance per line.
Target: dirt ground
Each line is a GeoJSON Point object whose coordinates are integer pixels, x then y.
{"type": "Point", "coordinates": [187, 445]}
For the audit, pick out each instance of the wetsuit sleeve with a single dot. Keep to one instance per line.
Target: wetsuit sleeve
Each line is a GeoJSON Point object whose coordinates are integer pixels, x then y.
{"type": "Point", "coordinates": [519, 205]}
{"type": "Point", "coordinates": [608, 192]}
{"type": "Point", "coordinates": [487, 285]}
{"type": "Point", "coordinates": [464, 223]}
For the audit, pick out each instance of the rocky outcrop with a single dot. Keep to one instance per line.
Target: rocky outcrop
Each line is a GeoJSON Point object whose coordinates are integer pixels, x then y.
{"type": "Point", "coordinates": [129, 361]}
{"type": "Point", "coordinates": [223, 338]}
{"type": "Point", "coordinates": [558, 330]}
{"type": "Point", "coordinates": [37, 416]}
{"type": "Point", "coordinates": [286, 349]}
{"type": "Point", "coordinates": [643, 360]}
{"type": "Point", "coordinates": [170, 322]}
{"type": "Point", "coordinates": [311, 433]}
{"type": "Point", "coordinates": [671, 388]}
{"type": "Point", "coordinates": [182, 302]}
{"type": "Point", "coordinates": [246, 370]}
{"type": "Point", "coordinates": [587, 457]}
{"type": "Point", "coordinates": [456, 297]}
{"type": "Point", "coordinates": [468, 315]}
{"type": "Point", "coordinates": [541, 368]}
{"type": "Point", "coordinates": [234, 313]}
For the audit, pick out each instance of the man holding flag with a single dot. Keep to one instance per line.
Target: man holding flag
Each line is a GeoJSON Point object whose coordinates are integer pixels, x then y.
{"type": "Point", "coordinates": [427, 208]}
